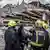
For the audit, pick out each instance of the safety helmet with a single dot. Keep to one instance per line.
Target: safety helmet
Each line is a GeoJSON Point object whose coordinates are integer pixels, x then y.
{"type": "Point", "coordinates": [11, 23]}
{"type": "Point", "coordinates": [43, 23]}
{"type": "Point", "coordinates": [38, 23]}
{"type": "Point", "coordinates": [45, 26]}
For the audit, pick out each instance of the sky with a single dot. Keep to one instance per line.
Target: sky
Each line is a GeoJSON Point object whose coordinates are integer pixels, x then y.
{"type": "Point", "coordinates": [44, 1]}
{"type": "Point", "coordinates": [5, 2]}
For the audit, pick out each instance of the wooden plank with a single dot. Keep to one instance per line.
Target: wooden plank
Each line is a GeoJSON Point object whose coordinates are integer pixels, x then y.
{"type": "Point", "coordinates": [29, 16]}
{"type": "Point", "coordinates": [22, 14]}
{"type": "Point", "coordinates": [31, 13]}
{"type": "Point", "coordinates": [37, 12]}
{"type": "Point", "coordinates": [6, 20]}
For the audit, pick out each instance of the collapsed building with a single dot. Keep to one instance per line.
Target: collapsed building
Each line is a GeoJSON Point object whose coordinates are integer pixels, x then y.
{"type": "Point", "coordinates": [29, 14]}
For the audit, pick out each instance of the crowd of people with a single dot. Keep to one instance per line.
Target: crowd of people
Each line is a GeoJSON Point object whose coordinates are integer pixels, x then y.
{"type": "Point", "coordinates": [15, 39]}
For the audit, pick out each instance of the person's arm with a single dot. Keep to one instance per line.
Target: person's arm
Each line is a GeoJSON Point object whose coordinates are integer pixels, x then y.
{"type": "Point", "coordinates": [46, 42]}
{"type": "Point", "coordinates": [5, 35]}
{"type": "Point", "coordinates": [20, 30]}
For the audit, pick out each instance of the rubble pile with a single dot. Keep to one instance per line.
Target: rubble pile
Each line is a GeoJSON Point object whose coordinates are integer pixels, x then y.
{"type": "Point", "coordinates": [29, 15]}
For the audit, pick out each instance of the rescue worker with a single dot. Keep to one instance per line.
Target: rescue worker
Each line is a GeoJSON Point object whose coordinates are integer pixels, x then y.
{"type": "Point", "coordinates": [11, 37]}
{"type": "Point", "coordinates": [40, 36]}
{"type": "Point", "coordinates": [23, 36]}
{"type": "Point", "coordinates": [46, 42]}
{"type": "Point", "coordinates": [20, 33]}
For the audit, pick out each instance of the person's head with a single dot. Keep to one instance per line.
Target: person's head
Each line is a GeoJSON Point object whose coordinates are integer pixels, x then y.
{"type": "Point", "coordinates": [45, 26]}
{"type": "Point", "coordinates": [38, 23]}
{"type": "Point", "coordinates": [12, 23]}
{"type": "Point", "coordinates": [41, 24]}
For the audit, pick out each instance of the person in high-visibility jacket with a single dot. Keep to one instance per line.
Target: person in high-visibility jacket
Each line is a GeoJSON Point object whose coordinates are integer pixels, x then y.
{"type": "Point", "coordinates": [40, 36]}
{"type": "Point", "coordinates": [11, 37]}
{"type": "Point", "coordinates": [46, 42]}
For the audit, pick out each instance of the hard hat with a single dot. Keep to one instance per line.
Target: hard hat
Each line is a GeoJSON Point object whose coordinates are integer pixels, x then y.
{"type": "Point", "coordinates": [38, 23]}
{"type": "Point", "coordinates": [45, 26]}
{"type": "Point", "coordinates": [12, 23]}
{"type": "Point", "coordinates": [43, 23]}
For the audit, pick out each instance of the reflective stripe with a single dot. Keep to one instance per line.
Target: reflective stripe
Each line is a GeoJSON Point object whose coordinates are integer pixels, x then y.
{"type": "Point", "coordinates": [36, 37]}
{"type": "Point", "coordinates": [40, 33]}
{"type": "Point", "coordinates": [35, 44]}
